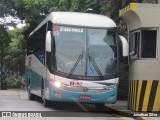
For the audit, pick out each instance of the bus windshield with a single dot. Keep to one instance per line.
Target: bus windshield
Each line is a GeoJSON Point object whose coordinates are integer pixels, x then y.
{"type": "Point", "coordinates": [85, 51]}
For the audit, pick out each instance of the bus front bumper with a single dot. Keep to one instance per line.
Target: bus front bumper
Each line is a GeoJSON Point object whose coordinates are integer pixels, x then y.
{"type": "Point", "coordinates": [59, 94]}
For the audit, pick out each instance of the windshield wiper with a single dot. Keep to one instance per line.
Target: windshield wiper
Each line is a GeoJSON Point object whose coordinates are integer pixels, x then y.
{"type": "Point", "coordinates": [90, 60]}
{"type": "Point", "coordinates": [96, 67]}
{"type": "Point", "coordinates": [75, 65]}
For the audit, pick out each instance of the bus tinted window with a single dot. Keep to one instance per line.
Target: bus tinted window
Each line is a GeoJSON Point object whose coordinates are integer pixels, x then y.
{"type": "Point", "coordinates": [69, 45]}
{"type": "Point", "coordinates": [37, 40]}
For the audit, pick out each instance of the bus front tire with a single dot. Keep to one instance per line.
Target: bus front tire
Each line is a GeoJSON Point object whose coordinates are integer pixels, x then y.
{"type": "Point", "coordinates": [31, 96]}
{"type": "Point", "coordinates": [46, 103]}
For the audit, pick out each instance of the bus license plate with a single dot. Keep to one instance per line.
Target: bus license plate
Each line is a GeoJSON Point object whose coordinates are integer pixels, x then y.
{"type": "Point", "coordinates": [85, 97]}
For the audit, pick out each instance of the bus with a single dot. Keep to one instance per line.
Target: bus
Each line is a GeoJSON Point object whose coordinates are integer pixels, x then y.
{"type": "Point", "coordinates": [73, 57]}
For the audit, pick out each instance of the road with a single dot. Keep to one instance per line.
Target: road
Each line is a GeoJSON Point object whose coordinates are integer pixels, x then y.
{"type": "Point", "coordinates": [17, 101]}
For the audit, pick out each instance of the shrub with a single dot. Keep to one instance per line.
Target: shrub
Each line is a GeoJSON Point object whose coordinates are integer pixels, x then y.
{"type": "Point", "coordinates": [16, 83]}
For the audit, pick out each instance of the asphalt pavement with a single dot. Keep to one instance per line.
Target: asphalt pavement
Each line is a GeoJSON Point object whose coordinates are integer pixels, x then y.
{"type": "Point", "coordinates": [17, 104]}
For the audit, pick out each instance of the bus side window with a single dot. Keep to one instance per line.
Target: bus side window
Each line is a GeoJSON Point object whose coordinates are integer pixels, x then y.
{"type": "Point", "coordinates": [37, 40]}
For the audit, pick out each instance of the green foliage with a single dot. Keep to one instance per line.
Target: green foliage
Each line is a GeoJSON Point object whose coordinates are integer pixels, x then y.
{"type": "Point", "coordinates": [18, 42]}
{"type": "Point", "coordinates": [4, 42]}
{"type": "Point", "coordinates": [12, 54]}
{"type": "Point", "coordinates": [17, 51]}
{"type": "Point", "coordinates": [4, 38]}
{"type": "Point", "coordinates": [6, 8]}
{"type": "Point", "coordinates": [16, 83]}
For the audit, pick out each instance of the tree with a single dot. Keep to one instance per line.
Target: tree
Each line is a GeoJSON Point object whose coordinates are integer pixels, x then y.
{"type": "Point", "coordinates": [5, 11]}
{"type": "Point", "coordinates": [16, 52]}
{"type": "Point", "coordinates": [6, 8]}
{"type": "Point", "coordinates": [4, 42]}
{"type": "Point", "coordinates": [12, 52]}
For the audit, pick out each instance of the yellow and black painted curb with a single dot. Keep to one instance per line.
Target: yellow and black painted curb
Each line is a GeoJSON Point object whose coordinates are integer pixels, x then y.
{"type": "Point", "coordinates": [144, 95]}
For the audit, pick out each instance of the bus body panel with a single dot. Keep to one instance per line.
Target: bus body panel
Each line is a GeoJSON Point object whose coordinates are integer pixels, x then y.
{"type": "Point", "coordinates": [58, 94]}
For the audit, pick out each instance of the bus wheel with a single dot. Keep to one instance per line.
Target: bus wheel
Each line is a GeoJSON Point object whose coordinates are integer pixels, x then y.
{"type": "Point", "coordinates": [46, 103]}
{"type": "Point", "coordinates": [30, 95]}
{"type": "Point", "coordinates": [99, 106]}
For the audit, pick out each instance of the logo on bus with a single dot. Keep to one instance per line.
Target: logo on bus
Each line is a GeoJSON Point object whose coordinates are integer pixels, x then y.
{"type": "Point", "coordinates": [75, 83]}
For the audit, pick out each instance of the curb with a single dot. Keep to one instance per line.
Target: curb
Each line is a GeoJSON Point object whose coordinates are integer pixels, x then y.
{"type": "Point", "coordinates": [124, 113]}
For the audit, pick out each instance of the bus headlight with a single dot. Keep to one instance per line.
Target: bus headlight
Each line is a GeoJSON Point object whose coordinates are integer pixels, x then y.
{"type": "Point", "coordinates": [57, 84]}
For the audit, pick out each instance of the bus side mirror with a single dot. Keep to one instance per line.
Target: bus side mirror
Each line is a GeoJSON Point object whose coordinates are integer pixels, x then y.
{"type": "Point", "coordinates": [48, 41]}
{"type": "Point", "coordinates": [125, 49]}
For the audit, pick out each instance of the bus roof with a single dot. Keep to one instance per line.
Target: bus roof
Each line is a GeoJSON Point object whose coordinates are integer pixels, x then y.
{"type": "Point", "coordinates": [78, 19]}
{"type": "Point", "coordinates": [82, 19]}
